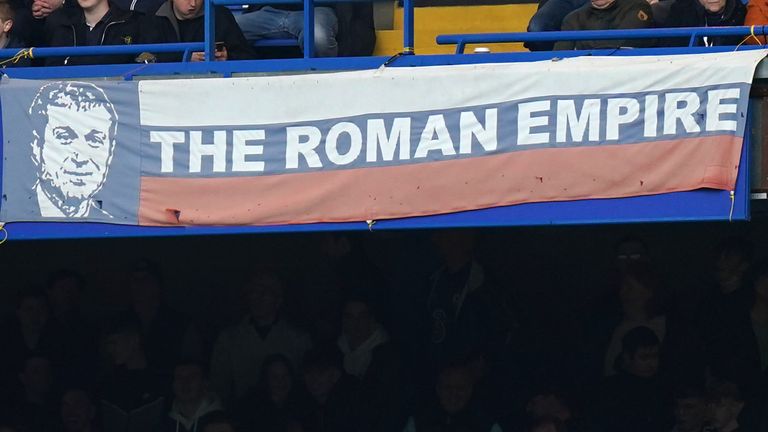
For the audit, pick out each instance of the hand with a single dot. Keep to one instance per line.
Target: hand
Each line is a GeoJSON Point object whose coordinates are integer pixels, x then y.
{"type": "Point", "coordinates": [199, 56]}
{"type": "Point", "coordinates": [43, 8]}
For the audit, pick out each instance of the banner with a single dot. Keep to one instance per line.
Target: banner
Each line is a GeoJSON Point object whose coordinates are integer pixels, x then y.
{"type": "Point", "coordinates": [374, 144]}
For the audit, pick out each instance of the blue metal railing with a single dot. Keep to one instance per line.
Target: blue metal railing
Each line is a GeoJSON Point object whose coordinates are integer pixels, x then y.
{"type": "Point", "coordinates": [460, 40]}
{"type": "Point", "coordinates": [693, 33]}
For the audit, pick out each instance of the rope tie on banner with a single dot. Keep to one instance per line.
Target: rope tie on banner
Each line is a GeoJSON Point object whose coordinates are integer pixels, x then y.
{"type": "Point", "coordinates": [733, 202]}
{"type": "Point", "coordinates": [4, 231]}
{"type": "Point", "coordinates": [751, 35]}
{"type": "Point", "coordinates": [370, 223]}
{"type": "Point", "coordinates": [22, 54]}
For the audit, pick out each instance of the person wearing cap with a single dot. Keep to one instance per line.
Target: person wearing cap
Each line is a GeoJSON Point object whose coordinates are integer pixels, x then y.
{"type": "Point", "coordinates": [608, 15]}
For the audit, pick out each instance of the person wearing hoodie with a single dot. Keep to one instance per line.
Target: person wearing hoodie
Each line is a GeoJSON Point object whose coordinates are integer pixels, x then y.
{"type": "Point", "coordinates": [370, 356]}
{"type": "Point", "coordinates": [94, 23]}
{"type": "Point", "coordinates": [182, 21]}
{"type": "Point", "coordinates": [192, 402]}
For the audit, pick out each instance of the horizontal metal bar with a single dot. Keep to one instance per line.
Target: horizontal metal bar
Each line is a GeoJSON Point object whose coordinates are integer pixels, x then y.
{"type": "Point", "coordinates": [106, 50]}
{"type": "Point", "coordinates": [655, 33]}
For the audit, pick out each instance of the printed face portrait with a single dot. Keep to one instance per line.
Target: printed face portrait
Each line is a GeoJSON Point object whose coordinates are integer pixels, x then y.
{"type": "Point", "coordinates": [74, 138]}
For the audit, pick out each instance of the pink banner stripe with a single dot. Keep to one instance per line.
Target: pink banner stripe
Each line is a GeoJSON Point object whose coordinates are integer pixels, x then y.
{"type": "Point", "coordinates": [444, 187]}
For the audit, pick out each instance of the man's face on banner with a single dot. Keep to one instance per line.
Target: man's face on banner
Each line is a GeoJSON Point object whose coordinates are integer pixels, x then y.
{"type": "Point", "coordinates": [76, 149]}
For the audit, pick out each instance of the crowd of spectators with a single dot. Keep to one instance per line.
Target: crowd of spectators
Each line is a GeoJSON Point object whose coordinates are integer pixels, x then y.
{"type": "Point", "coordinates": [343, 29]}
{"type": "Point", "coordinates": [354, 350]}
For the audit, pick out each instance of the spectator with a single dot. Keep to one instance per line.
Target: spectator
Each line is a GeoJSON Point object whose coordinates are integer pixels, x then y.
{"type": "Point", "coordinates": [726, 406]}
{"type": "Point", "coordinates": [548, 424]}
{"type": "Point", "coordinates": [608, 15]}
{"type": "Point", "coordinates": [690, 409]}
{"type": "Point", "coordinates": [182, 21]}
{"type": "Point", "coordinates": [340, 29]}
{"type": "Point", "coordinates": [757, 14]}
{"type": "Point", "coordinates": [8, 38]}
{"type": "Point", "coordinates": [192, 402]}
{"type": "Point", "coordinates": [334, 395]}
{"type": "Point", "coordinates": [168, 336]}
{"type": "Point", "coordinates": [78, 411]}
{"type": "Point", "coordinates": [240, 350]}
{"type": "Point", "coordinates": [708, 13]}
{"type": "Point", "coordinates": [30, 16]}
{"type": "Point", "coordinates": [461, 316]}
{"type": "Point", "coordinates": [276, 403]}
{"type": "Point", "coordinates": [372, 358]}
{"type": "Point", "coordinates": [549, 17]}
{"type": "Point", "coordinates": [33, 410]}
{"type": "Point", "coordinates": [553, 404]}
{"type": "Point", "coordinates": [452, 411]}
{"type": "Point", "coordinates": [132, 393]}
{"type": "Point", "coordinates": [639, 297]}
{"type": "Point", "coordinates": [634, 399]}
{"type": "Point", "coordinates": [79, 355]}
{"type": "Point", "coordinates": [94, 23]}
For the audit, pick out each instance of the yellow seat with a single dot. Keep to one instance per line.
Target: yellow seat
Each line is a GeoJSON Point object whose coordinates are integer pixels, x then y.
{"type": "Point", "coordinates": [437, 20]}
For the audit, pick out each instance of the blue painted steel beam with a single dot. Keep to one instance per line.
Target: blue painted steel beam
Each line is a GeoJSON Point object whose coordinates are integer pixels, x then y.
{"type": "Point", "coordinates": [309, 29]}
{"type": "Point", "coordinates": [408, 27]}
{"type": "Point", "coordinates": [104, 49]}
{"type": "Point", "coordinates": [210, 29]}
{"type": "Point", "coordinates": [683, 32]}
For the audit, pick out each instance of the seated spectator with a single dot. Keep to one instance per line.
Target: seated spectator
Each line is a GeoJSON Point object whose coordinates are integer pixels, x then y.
{"type": "Point", "coordinates": [707, 13]}
{"type": "Point", "coordinates": [757, 15]}
{"type": "Point", "coordinates": [192, 401]}
{"type": "Point", "coordinates": [372, 358]}
{"type": "Point", "coordinates": [30, 16]}
{"type": "Point", "coordinates": [726, 406]}
{"type": "Point", "coordinates": [452, 412]}
{"type": "Point", "coordinates": [168, 336]}
{"type": "Point", "coordinates": [340, 29]}
{"type": "Point", "coordinates": [641, 306]}
{"type": "Point", "coordinates": [8, 39]}
{"type": "Point", "coordinates": [690, 409]}
{"type": "Point", "coordinates": [608, 15]}
{"type": "Point", "coordinates": [634, 399]}
{"type": "Point", "coordinates": [240, 350]}
{"type": "Point", "coordinates": [334, 404]}
{"type": "Point", "coordinates": [94, 23]}
{"type": "Point", "coordinates": [276, 403]}
{"type": "Point", "coordinates": [182, 21]}
{"type": "Point", "coordinates": [79, 354]}
{"type": "Point", "coordinates": [549, 17]}
{"type": "Point", "coordinates": [132, 393]}
{"type": "Point", "coordinates": [553, 404]}
{"type": "Point", "coordinates": [33, 409]}
{"type": "Point", "coordinates": [78, 412]}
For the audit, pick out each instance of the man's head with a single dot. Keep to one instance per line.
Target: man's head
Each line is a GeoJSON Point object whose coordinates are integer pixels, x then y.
{"type": "Point", "coordinates": [358, 321]}
{"type": "Point", "coordinates": [190, 381]}
{"type": "Point", "coordinates": [277, 376]}
{"type": "Point", "coordinates": [77, 410]}
{"type": "Point", "coordinates": [74, 128]}
{"type": "Point", "coordinates": [690, 409]}
{"type": "Point", "coordinates": [187, 9]}
{"type": "Point", "coordinates": [322, 370]}
{"type": "Point", "coordinates": [123, 342]}
{"type": "Point", "coordinates": [36, 376]}
{"type": "Point", "coordinates": [63, 290]}
{"type": "Point", "coordinates": [630, 251]}
{"type": "Point", "coordinates": [640, 352]}
{"type": "Point", "coordinates": [6, 18]}
{"type": "Point", "coordinates": [456, 247]}
{"type": "Point", "coordinates": [454, 388]}
{"type": "Point", "coordinates": [725, 404]}
{"type": "Point", "coordinates": [713, 6]}
{"type": "Point", "coordinates": [733, 256]}
{"type": "Point", "coordinates": [32, 310]}
{"type": "Point", "coordinates": [146, 281]}
{"type": "Point", "coordinates": [264, 296]}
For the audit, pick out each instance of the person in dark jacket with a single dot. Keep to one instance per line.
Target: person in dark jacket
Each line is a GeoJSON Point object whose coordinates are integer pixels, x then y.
{"type": "Point", "coordinates": [608, 15]}
{"type": "Point", "coordinates": [182, 21]}
{"type": "Point", "coordinates": [8, 39]}
{"type": "Point", "coordinates": [96, 22]}
{"type": "Point", "coordinates": [707, 13]}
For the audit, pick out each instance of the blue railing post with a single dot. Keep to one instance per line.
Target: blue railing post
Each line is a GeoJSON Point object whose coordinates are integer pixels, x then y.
{"type": "Point", "coordinates": [408, 45]}
{"type": "Point", "coordinates": [210, 30]}
{"type": "Point", "coordinates": [309, 28]}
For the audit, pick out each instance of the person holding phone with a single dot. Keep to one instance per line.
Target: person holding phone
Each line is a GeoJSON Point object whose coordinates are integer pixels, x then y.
{"type": "Point", "coordinates": [182, 21]}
